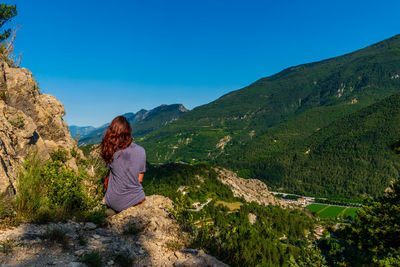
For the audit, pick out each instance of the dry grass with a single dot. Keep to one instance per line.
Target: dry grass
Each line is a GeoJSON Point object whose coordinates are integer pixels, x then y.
{"type": "Point", "coordinates": [233, 206]}
{"type": "Point", "coordinates": [9, 49]}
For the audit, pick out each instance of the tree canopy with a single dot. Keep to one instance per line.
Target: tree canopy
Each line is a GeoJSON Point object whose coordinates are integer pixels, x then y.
{"type": "Point", "coordinates": [7, 12]}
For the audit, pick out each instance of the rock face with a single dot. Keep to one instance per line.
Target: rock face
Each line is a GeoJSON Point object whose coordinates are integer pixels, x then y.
{"type": "Point", "coordinates": [249, 189]}
{"type": "Point", "coordinates": [29, 121]}
{"type": "Point", "coordinates": [159, 237]}
{"type": "Point", "coordinates": [145, 233]}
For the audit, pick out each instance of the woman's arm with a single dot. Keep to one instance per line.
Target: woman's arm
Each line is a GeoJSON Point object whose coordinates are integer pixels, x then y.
{"type": "Point", "coordinates": [141, 177]}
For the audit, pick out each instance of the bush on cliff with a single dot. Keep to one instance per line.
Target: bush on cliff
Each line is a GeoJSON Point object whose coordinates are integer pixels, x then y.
{"type": "Point", "coordinates": [50, 191]}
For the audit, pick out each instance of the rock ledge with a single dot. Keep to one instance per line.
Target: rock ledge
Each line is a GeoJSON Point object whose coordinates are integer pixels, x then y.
{"type": "Point", "coordinates": [145, 232]}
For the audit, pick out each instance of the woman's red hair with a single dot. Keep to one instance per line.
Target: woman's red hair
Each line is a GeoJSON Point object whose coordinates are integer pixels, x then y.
{"type": "Point", "coordinates": [118, 137]}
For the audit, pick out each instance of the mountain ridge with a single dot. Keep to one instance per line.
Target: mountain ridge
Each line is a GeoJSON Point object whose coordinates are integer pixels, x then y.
{"type": "Point", "coordinates": [316, 94]}
{"type": "Point", "coordinates": [143, 121]}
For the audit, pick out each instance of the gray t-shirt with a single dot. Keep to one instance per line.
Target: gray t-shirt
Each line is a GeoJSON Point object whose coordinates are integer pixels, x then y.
{"type": "Point", "coordinates": [124, 189]}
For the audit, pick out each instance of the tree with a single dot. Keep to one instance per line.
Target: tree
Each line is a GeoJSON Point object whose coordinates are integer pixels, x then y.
{"type": "Point", "coordinates": [7, 36]}
{"type": "Point", "coordinates": [7, 12]}
{"type": "Point", "coordinates": [375, 230]}
{"type": "Point", "coordinates": [373, 238]}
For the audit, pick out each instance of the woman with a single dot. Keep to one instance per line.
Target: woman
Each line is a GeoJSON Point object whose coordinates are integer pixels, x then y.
{"type": "Point", "coordinates": [126, 162]}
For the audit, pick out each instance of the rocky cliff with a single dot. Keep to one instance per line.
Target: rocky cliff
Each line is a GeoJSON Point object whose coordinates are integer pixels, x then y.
{"type": "Point", "coordinates": [29, 121]}
{"type": "Point", "coordinates": [250, 189]}
{"type": "Point", "coordinates": [145, 234]}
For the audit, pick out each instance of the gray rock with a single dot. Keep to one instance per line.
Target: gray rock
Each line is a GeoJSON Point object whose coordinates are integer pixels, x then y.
{"type": "Point", "coordinates": [202, 260]}
{"type": "Point", "coordinates": [148, 248]}
{"type": "Point", "coordinates": [250, 189]}
{"type": "Point", "coordinates": [79, 252]}
{"type": "Point", "coordinates": [191, 262]}
{"type": "Point", "coordinates": [198, 259]}
{"type": "Point", "coordinates": [76, 264]}
{"type": "Point", "coordinates": [252, 218]}
{"type": "Point", "coordinates": [90, 226]}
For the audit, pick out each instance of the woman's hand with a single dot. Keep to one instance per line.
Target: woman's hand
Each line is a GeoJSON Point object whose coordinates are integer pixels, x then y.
{"type": "Point", "coordinates": [141, 177]}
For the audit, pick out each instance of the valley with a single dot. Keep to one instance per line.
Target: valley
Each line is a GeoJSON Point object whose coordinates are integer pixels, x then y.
{"type": "Point", "coordinates": [293, 162]}
{"type": "Point", "coordinates": [267, 127]}
{"type": "Point", "coordinates": [300, 168]}
{"type": "Point", "coordinates": [315, 129]}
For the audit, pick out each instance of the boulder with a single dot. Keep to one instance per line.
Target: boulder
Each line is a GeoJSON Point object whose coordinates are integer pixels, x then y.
{"type": "Point", "coordinates": [162, 242]}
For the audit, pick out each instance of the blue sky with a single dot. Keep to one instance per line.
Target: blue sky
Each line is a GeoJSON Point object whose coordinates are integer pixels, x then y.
{"type": "Point", "coordinates": [105, 58]}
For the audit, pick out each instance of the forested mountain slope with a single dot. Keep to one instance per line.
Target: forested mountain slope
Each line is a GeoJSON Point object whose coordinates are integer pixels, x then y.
{"type": "Point", "coordinates": [237, 232]}
{"type": "Point", "coordinates": [269, 117]}
{"type": "Point", "coordinates": [347, 158]}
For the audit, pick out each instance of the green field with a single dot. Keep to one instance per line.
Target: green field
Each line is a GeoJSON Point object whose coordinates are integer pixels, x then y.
{"type": "Point", "coordinates": [352, 212]}
{"type": "Point", "coordinates": [331, 212]}
{"type": "Point", "coordinates": [328, 211]}
{"type": "Point", "coordinates": [316, 207]}
{"type": "Point", "coordinates": [233, 206]}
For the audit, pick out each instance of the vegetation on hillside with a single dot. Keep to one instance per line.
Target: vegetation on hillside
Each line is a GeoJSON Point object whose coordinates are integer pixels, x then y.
{"type": "Point", "coordinates": [344, 160]}
{"type": "Point", "coordinates": [254, 235]}
{"type": "Point", "coordinates": [157, 118]}
{"type": "Point", "coordinates": [199, 182]}
{"type": "Point", "coordinates": [254, 129]}
{"type": "Point", "coordinates": [276, 237]}
{"type": "Point", "coordinates": [143, 122]}
{"type": "Point", "coordinates": [372, 239]}
{"type": "Point", "coordinates": [247, 234]}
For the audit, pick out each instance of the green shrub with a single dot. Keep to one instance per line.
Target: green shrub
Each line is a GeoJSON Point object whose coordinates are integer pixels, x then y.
{"type": "Point", "coordinates": [6, 246]}
{"type": "Point", "coordinates": [50, 191]}
{"type": "Point", "coordinates": [181, 214]}
{"type": "Point", "coordinates": [124, 259]}
{"type": "Point", "coordinates": [31, 202]}
{"type": "Point", "coordinates": [62, 186]}
{"type": "Point", "coordinates": [3, 95]}
{"type": "Point", "coordinates": [74, 152]}
{"type": "Point", "coordinates": [86, 149]}
{"type": "Point", "coordinates": [173, 245]}
{"type": "Point", "coordinates": [97, 216]}
{"type": "Point", "coordinates": [6, 209]}
{"type": "Point", "coordinates": [59, 155]}
{"type": "Point", "coordinates": [92, 259]}
{"type": "Point", "coordinates": [133, 229]}
{"type": "Point", "coordinates": [18, 123]}
{"type": "Point", "coordinates": [8, 217]}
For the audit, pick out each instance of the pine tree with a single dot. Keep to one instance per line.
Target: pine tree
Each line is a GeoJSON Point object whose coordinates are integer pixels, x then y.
{"type": "Point", "coordinates": [7, 12]}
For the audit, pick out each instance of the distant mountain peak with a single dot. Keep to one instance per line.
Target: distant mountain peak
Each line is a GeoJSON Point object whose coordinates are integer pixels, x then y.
{"type": "Point", "coordinates": [182, 108]}
{"type": "Point", "coordinates": [143, 122]}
